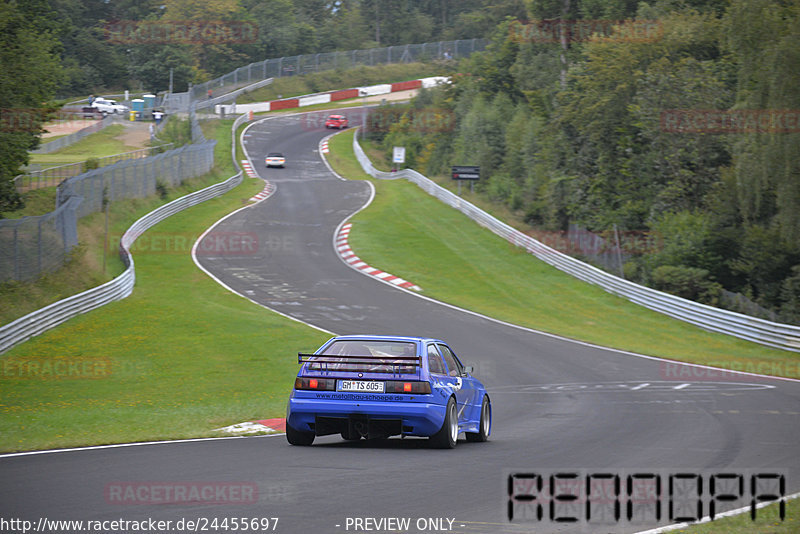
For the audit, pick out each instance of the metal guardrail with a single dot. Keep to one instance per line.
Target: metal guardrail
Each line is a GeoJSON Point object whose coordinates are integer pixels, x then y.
{"type": "Point", "coordinates": [120, 287]}
{"type": "Point", "coordinates": [304, 64]}
{"type": "Point", "coordinates": [777, 335]}
{"type": "Point", "coordinates": [248, 78]}
{"type": "Point", "coordinates": [210, 103]}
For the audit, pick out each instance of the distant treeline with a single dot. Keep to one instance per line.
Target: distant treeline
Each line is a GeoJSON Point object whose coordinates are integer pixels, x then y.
{"type": "Point", "coordinates": [68, 49]}
{"type": "Point", "coordinates": [682, 124]}
{"type": "Point", "coordinates": [134, 43]}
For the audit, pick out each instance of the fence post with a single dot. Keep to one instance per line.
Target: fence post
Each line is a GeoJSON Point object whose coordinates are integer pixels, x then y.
{"type": "Point", "coordinates": [39, 248]}
{"type": "Point", "coordinates": [16, 252]}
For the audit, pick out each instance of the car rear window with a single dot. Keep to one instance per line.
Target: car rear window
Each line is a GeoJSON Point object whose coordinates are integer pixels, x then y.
{"type": "Point", "coordinates": [385, 354]}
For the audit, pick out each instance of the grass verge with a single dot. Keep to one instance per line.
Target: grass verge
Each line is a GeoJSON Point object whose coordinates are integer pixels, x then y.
{"type": "Point", "coordinates": [414, 236]}
{"type": "Point", "coordinates": [85, 268]}
{"type": "Point", "coordinates": [106, 142]}
{"type": "Point", "coordinates": [37, 202]}
{"type": "Point", "coordinates": [290, 86]}
{"type": "Point", "coordinates": [179, 357]}
{"type": "Point", "coordinates": [768, 521]}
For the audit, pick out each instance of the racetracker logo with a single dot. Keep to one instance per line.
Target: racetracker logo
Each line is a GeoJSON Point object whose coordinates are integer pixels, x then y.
{"type": "Point", "coordinates": [201, 32]}
{"type": "Point", "coordinates": [581, 241]}
{"type": "Point", "coordinates": [741, 371]}
{"type": "Point", "coordinates": [427, 120]}
{"type": "Point", "coordinates": [730, 121]}
{"type": "Point", "coordinates": [578, 31]}
{"type": "Point", "coordinates": [212, 244]}
{"type": "Point", "coordinates": [55, 368]}
{"type": "Point", "coordinates": [31, 120]}
{"type": "Point", "coordinates": [223, 493]}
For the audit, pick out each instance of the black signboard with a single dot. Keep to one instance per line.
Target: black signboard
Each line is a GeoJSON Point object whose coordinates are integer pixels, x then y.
{"type": "Point", "coordinates": [466, 172]}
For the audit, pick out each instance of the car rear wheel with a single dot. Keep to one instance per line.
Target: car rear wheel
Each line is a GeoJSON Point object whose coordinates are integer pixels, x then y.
{"type": "Point", "coordinates": [485, 423]}
{"type": "Point", "coordinates": [296, 437]}
{"type": "Point", "coordinates": [447, 436]}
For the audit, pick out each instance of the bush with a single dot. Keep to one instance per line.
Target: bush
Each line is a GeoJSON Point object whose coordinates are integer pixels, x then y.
{"type": "Point", "coordinates": [790, 295]}
{"type": "Point", "coordinates": [161, 189]}
{"type": "Point", "coordinates": [90, 164]}
{"type": "Point", "coordinates": [687, 282]}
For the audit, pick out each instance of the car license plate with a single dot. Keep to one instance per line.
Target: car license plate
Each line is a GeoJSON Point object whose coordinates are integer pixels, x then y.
{"type": "Point", "coordinates": [370, 386]}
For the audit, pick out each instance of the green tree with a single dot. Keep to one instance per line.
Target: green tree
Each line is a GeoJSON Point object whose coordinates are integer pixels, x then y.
{"type": "Point", "coordinates": [30, 71]}
{"type": "Point", "coordinates": [687, 282]}
{"type": "Point", "coordinates": [764, 37]}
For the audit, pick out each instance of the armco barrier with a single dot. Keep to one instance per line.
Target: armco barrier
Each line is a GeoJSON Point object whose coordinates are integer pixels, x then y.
{"type": "Point", "coordinates": [120, 287]}
{"type": "Point", "coordinates": [324, 98]}
{"type": "Point", "coordinates": [291, 66]}
{"type": "Point", "coordinates": [782, 336]}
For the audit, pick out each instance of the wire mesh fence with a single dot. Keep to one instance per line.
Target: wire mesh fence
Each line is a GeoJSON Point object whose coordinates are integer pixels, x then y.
{"type": "Point", "coordinates": [308, 63]}
{"type": "Point", "coordinates": [53, 176]}
{"type": "Point", "coordinates": [34, 245]}
{"type": "Point", "coordinates": [136, 178]}
{"type": "Point", "coordinates": [65, 141]}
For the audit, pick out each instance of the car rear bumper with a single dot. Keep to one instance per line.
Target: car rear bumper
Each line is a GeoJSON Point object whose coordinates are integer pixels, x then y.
{"type": "Point", "coordinates": [330, 414]}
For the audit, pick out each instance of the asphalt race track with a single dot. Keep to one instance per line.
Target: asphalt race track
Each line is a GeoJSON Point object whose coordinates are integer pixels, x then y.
{"type": "Point", "coordinates": [558, 406]}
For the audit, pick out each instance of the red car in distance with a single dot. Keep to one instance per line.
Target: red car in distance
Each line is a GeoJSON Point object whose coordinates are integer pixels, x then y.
{"type": "Point", "coordinates": [336, 121]}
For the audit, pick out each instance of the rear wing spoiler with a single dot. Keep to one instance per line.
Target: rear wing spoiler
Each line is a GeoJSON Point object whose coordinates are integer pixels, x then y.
{"type": "Point", "coordinates": [361, 361]}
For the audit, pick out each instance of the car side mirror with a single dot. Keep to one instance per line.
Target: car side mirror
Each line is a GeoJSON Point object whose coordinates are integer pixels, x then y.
{"type": "Point", "coordinates": [468, 369]}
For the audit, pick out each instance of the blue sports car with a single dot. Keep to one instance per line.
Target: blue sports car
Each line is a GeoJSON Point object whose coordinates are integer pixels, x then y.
{"type": "Point", "coordinates": [380, 386]}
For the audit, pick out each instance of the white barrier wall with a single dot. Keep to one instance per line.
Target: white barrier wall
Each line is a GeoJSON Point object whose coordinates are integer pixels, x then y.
{"type": "Point", "coordinates": [314, 99]}
{"type": "Point", "coordinates": [433, 81]}
{"type": "Point", "coordinates": [372, 90]}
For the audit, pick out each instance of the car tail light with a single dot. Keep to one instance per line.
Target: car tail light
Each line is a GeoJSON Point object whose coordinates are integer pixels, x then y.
{"type": "Point", "coordinates": [402, 386]}
{"type": "Point", "coordinates": [319, 384]}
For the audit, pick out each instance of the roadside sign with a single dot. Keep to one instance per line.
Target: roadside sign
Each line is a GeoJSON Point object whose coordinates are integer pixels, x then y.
{"type": "Point", "coordinates": [399, 154]}
{"type": "Point", "coordinates": [466, 172]}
